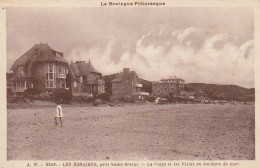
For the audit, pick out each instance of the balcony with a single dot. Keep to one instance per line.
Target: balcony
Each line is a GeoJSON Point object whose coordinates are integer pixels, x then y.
{"type": "Point", "coordinates": [139, 85]}
{"type": "Point", "coordinates": [62, 76]}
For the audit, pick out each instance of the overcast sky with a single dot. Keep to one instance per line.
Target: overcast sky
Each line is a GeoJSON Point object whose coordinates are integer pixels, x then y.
{"type": "Point", "coordinates": [210, 45]}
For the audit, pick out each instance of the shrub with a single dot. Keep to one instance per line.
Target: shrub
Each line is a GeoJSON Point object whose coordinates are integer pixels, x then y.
{"type": "Point", "coordinates": [89, 99]}
{"type": "Point", "coordinates": [150, 98]}
{"type": "Point", "coordinates": [31, 92]}
{"type": "Point", "coordinates": [127, 98]}
{"type": "Point", "coordinates": [97, 102]}
{"type": "Point", "coordinates": [61, 95]}
{"type": "Point", "coordinates": [103, 96]}
{"type": "Point", "coordinates": [12, 100]}
{"type": "Point", "coordinates": [9, 92]}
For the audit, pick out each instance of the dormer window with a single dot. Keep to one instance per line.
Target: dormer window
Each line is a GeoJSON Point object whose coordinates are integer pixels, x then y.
{"type": "Point", "coordinates": [57, 54]}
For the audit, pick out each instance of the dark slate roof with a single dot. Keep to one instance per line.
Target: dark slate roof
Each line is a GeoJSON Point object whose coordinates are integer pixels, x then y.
{"type": "Point", "coordinates": [39, 53]}
{"type": "Point", "coordinates": [9, 76]}
{"type": "Point", "coordinates": [81, 68]}
{"type": "Point", "coordinates": [120, 76]}
{"type": "Point", "coordinates": [23, 78]}
{"type": "Point", "coordinates": [133, 73]}
{"type": "Point", "coordinates": [71, 73]}
{"type": "Point", "coordinates": [109, 78]}
{"type": "Point", "coordinates": [74, 69]}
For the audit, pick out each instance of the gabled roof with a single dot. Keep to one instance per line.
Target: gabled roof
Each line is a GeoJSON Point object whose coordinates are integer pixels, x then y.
{"type": "Point", "coordinates": [93, 80]}
{"type": "Point", "coordinates": [9, 76]}
{"type": "Point", "coordinates": [38, 53]}
{"type": "Point", "coordinates": [81, 68]}
{"type": "Point", "coordinates": [71, 73]}
{"type": "Point", "coordinates": [120, 76]}
{"type": "Point", "coordinates": [109, 78]}
{"type": "Point", "coordinates": [21, 78]}
{"type": "Point", "coordinates": [133, 73]}
{"type": "Point", "coordinates": [74, 69]}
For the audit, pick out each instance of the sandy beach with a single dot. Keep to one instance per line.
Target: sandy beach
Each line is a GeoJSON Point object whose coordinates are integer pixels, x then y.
{"type": "Point", "coordinates": [133, 132]}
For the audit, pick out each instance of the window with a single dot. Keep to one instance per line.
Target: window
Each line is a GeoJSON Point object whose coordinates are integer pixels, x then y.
{"type": "Point", "coordinates": [50, 75]}
{"type": "Point", "coordinates": [75, 84]}
{"type": "Point", "coordinates": [58, 71]}
{"type": "Point", "coordinates": [20, 86]}
{"type": "Point", "coordinates": [57, 54]}
{"type": "Point", "coordinates": [20, 71]}
{"type": "Point", "coordinates": [80, 79]}
{"type": "Point", "coordinates": [51, 84]}
{"type": "Point", "coordinates": [63, 84]}
{"type": "Point", "coordinates": [61, 72]}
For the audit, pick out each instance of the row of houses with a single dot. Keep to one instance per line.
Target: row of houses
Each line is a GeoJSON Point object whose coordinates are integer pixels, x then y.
{"type": "Point", "coordinates": [45, 69]}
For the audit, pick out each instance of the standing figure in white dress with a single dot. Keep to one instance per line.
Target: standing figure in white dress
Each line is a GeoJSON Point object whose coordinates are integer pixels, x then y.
{"type": "Point", "coordinates": [58, 114]}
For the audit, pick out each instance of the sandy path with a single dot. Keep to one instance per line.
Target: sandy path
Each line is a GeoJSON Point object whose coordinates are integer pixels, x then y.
{"type": "Point", "coordinates": [133, 132]}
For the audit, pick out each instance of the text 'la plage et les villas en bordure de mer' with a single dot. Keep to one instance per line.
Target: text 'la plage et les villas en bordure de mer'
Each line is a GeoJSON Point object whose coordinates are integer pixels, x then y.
{"type": "Point", "coordinates": [132, 3]}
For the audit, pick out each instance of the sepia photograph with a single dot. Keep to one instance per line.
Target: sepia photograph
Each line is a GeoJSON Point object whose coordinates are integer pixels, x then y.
{"type": "Point", "coordinates": [130, 83]}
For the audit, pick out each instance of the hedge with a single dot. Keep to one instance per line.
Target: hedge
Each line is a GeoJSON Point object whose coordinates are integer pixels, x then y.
{"type": "Point", "coordinates": [61, 95]}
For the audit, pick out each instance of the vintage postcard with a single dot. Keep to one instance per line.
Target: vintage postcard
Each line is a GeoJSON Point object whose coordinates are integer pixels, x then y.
{"type": "Point", "coordinates": [127, 83]}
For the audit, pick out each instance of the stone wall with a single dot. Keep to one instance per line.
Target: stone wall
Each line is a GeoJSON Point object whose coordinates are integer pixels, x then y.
{"type": "Point", "coordinates": [126, 86]}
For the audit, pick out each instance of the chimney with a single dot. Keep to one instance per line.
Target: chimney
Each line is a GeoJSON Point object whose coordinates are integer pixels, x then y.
{"type": "Point", "coordinates": [126, 70]}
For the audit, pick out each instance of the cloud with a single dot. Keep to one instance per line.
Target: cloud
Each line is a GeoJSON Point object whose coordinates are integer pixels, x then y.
{"type": "Point", "coordinates": [198, 44]}
{"type": "Point", "coordinates": [175, 33]}
{"type": "Point", "coordinates": [246, 49]}
{"type": "Point", "coordinates": [173, 53]}
{"type": "Point", "coordinates": [182, 36]}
